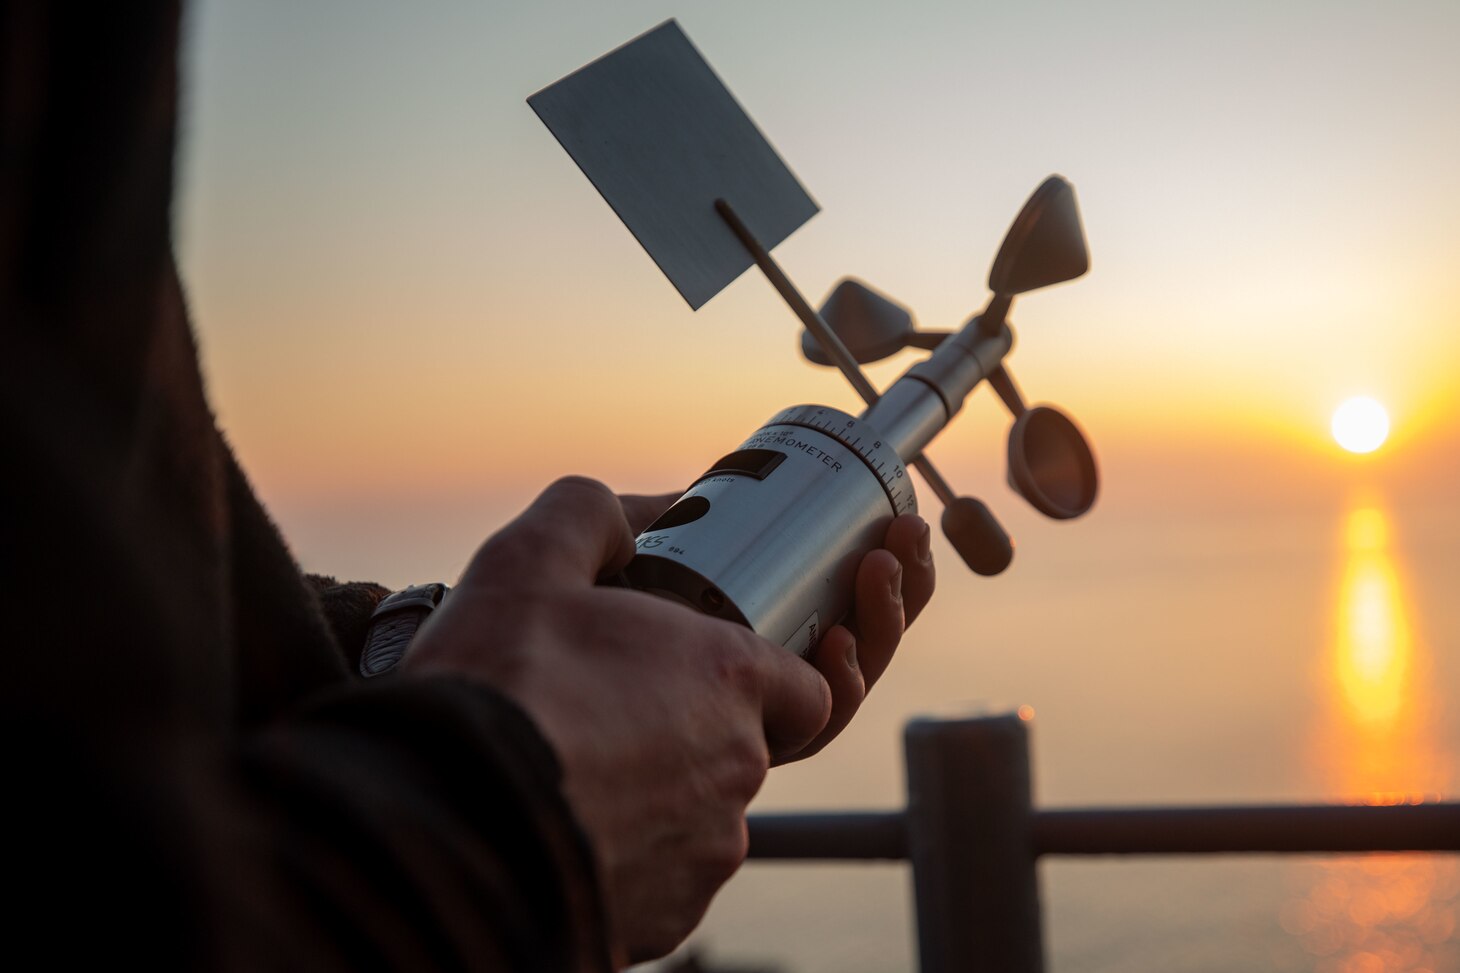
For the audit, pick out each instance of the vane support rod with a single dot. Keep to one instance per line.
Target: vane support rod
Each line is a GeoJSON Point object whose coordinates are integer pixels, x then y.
{"type": "Point", "coordinates": [821, 331]}
{"type": "Point", "coordinates": [814, 322]}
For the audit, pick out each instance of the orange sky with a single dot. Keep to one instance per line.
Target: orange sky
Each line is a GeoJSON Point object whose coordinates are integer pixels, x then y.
{"type": "Point", "coordinates": [414, 311]}
{"type": "Point", "coordinates": [404, 287]}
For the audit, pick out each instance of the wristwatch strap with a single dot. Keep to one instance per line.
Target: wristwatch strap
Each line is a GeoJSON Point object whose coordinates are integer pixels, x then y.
{"type": "Point", "coordinates": [393, 624]}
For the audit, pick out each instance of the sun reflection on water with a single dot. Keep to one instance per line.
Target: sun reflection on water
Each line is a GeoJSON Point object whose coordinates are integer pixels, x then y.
{"type": "Point", "coordinates": [1378, 913]}
{"type": "Point", "coordinates": [1373, 644]}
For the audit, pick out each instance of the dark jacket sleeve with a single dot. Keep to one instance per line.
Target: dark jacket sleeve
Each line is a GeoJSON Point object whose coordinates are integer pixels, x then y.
{"type": "Point", "coordinates": [193, 777]}
{"type": "Point", "coordinates": [426, 816]}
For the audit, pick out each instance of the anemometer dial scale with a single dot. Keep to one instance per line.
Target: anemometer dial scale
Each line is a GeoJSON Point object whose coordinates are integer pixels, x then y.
{"type": "Point", "coordinates": [772, 534]}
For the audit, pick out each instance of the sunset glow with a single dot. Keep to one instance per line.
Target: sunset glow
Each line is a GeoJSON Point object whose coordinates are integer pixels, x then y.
{"type": "Point", "coordinates": [1360, 424]}
{"type": "Point", "coordinates": [414, 312]}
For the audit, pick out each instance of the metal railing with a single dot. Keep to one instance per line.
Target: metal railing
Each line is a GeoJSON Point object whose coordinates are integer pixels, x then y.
{"type": "Point", "coordinates": [973, 836]}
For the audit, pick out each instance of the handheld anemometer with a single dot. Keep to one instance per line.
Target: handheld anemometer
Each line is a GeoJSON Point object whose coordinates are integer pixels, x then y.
{"type": "Point", "coordinates": [772, 534]}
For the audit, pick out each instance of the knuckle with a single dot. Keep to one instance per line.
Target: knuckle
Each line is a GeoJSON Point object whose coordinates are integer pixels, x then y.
{"type": "Point", "coordinates": [582, 493]}
{"type": "Point", "coordinates": [720, 852]}
{"type": "Point", "coordinates": [740, 768]}
{"type": "Point", "coordinates": [585, 489]}
{"type": "Point", "coordinates": [728, 852]}
{"type": "Point", "coordinates": [747, 764]}
{"type": "Point", "coordinates": [735, 667]}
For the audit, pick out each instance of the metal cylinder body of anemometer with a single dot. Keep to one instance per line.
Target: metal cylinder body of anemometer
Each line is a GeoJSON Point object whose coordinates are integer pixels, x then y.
{"type": "Point", "coordinates": [919, 404]}
{"type": "Point", "coordinates": [772, 535]}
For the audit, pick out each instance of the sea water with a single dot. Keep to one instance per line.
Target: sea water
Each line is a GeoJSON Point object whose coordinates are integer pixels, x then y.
{"type": "Point", "coordinates": [1172, 656]}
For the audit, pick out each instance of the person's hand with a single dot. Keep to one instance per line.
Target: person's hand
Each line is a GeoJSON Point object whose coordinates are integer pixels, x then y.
{"type": "Point", "coordinates": [664, 720]}
{"type": "Point", "coordinates": [893, 586]}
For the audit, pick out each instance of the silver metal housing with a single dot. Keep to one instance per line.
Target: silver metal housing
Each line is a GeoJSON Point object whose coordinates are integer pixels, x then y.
{"type": "Point", "coordinates": [777, 549]}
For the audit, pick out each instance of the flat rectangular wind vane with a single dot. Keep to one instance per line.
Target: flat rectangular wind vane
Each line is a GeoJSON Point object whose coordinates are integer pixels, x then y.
{"type": "Point", "coordinates": [661, 138]}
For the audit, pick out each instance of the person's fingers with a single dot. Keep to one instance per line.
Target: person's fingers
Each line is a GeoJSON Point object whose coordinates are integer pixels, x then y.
{"type": "Point", "coordinates": [891, 586]}
{"type": "Point", "coordinates": [795, 699]}
{"type": "Point", "coordinates": [910, 540]}
{"type": "Point", "coordinates": [835, 657]}
{"type": "Point", "coordinates": [641, 511]}
{"type": "Point", "coordinates": [879, 613]}
{"type": "Point", "coordinates": [573, 532]}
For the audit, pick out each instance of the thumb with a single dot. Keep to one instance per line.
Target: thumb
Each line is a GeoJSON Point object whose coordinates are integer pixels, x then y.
{"type": "Point", "coordinates": [573, 532]}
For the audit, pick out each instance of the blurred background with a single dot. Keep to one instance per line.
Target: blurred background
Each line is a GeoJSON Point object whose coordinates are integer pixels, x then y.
{"type": "Point", "coordinates": [415, 311]}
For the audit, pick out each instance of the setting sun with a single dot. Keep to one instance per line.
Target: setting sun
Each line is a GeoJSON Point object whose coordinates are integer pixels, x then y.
{"type": "Point", "coordinates": [1360, 425]}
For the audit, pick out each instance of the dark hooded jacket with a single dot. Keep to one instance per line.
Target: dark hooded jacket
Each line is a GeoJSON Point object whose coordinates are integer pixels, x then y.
{"type": "Point", "coordinates": [193, 775]}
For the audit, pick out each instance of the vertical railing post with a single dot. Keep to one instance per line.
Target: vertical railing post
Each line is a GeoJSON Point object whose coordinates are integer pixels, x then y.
{"type": "Point", "coordinates": [969, 840]}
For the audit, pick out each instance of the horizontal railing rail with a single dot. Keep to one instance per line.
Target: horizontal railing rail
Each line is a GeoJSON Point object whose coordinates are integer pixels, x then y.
{"type": "Point", "coordinates": [1255, 829]}
{"type": "Point", "coordinates": [973, 837]}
